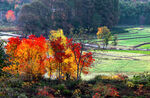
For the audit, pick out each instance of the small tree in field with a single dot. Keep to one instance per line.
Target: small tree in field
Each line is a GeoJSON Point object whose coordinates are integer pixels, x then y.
{"type": "Point", "coordinates": [104, 34]}
{"type": "Point", "coordinates": [115, 38]}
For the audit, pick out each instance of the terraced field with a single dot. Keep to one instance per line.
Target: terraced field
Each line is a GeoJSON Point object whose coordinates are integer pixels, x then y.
{"type": "Point", "coordinates": [133, 36]}
{"type": "Point", "coordinates": [128, 36]}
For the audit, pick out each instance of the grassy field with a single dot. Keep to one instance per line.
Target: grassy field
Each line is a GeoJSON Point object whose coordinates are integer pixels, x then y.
{"type": "Point", "coordinates": [129, 62]}
{"type": "Point", "coordinates": [129, 51]}
{"type": "Point", "coordinates": [145, 46]}
{"type": "Point", "coordinates": [110, 62]}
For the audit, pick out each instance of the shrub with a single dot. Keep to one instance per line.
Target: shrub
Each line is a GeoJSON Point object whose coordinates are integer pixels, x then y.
{"type": "Point", "coordinates": [44, 92]}
{"type": "Point", "coordinates": [105, 91]}
{"type": "Point", "coordinates": [143, 78]}
{"type": "Point", "coordinates": [67, 92]}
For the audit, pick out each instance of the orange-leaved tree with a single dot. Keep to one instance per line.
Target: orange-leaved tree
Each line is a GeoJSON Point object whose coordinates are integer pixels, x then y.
{"type": "Point", "coordinates": [10, 16]}
{"type": "Point", "coordinates": [28, 56]}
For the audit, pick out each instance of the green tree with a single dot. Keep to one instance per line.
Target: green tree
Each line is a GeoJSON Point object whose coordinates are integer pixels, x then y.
{"type": "Point", "coordinates": [34, 18]}
{"type": "Point", "coordinates": [115, 39]}
{"type": "Point", "coordinates": [104, 34]}
{"type": "Point", "coordinates": [43, 15]}
{"type": "Point", "coordinates": [84, 10]}
{"type": "Point", "coordinates": [108, 10]}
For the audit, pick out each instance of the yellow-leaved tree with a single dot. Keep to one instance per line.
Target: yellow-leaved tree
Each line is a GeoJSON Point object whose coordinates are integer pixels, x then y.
{"type": "Point", "coordinates": [68, 56]}
{"type": "Point", "coordinates": [105, 35]}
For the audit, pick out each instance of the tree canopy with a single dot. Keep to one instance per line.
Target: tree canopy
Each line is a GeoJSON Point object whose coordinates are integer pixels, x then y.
{"type": "Point", "coordinates": [43, 15]}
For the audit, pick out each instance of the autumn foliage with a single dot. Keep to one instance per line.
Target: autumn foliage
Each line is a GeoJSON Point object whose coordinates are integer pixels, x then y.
{"type": "Point", "coordinates": [27, 56]}
{"type": "Point", "coordinates": [69, 56]}
{"type": "Point", "coordinates": [105, 35]}
{"type": "Point", "coordinates": [10, 16]}
{"type": "Point", "coordinates": [58, 56]}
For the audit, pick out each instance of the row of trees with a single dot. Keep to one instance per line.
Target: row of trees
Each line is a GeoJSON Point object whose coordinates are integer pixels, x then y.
{"type": "Point", "coordinates": [43, 15]}
{"type": "Point", "coordinates": [58, 56]}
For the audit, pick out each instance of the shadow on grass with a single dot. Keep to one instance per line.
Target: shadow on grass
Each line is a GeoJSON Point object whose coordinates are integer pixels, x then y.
{"type": "Point", "coordinates": [119, 30]}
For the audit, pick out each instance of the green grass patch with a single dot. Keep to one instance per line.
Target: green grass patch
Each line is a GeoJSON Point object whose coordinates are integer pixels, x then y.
{"type": "Point", "coordinates": [133, 42]}
{"type": "Point", "coordinates": [145, 46]}
{"type": "Point", "coordinates": [128, 51]}
{"type": "Point", "coordinates": [121, 61]}
{"type": "Point", "coordinates": [121, 66]}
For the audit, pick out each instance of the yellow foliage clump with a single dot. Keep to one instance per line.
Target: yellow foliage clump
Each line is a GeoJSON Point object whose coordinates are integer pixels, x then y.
{"type": "Point", "coordinates": [102, 32]}
{"type": "Point", "coordinates": [68, 64]}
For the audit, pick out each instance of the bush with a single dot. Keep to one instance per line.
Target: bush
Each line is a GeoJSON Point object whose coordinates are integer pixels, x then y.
{"type": "Point", "coordinates": [143, 78]}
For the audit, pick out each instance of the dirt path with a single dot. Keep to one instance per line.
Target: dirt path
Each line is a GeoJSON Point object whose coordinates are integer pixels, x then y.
{"type": "Point", "coordinates": [6, 35]}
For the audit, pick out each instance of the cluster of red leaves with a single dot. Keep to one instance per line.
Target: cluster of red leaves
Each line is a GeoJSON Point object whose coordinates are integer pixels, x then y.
{"type": "Point", "coordinates": [84, 60]}
{"type": "Point", "coordinates": [114, 92]}
{"type": "Point", "coordinates": [10, 15]}
{"type": "Point", "coordinates": [75, 47]}
{"type": "Point", "coordinates": [44, 92]}
{"type": "Point", "coordinates": [96, 95]}
{"type": "Point", "coordinates": [12, 45]}
{"type": "Point", "coordinates": [59, 50]}
{"type": "Point", "coordinates": [27, 56]}
{"type": "Point", "coordinates": [122, 77]}
{"type": "Point", "coordinates": [105, 91]}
